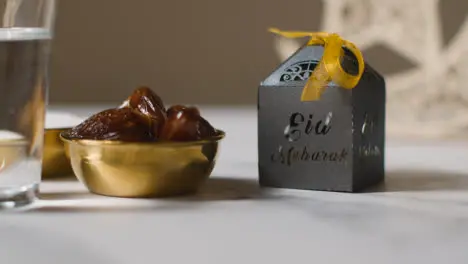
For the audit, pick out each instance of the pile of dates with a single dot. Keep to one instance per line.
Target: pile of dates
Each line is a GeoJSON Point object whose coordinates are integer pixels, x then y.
{"type": "Point", "coordinates": [143, 118]}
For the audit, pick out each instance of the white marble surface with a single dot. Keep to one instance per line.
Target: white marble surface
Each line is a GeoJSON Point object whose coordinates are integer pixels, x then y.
{"type": "Point", "coordinates": [419, 216]}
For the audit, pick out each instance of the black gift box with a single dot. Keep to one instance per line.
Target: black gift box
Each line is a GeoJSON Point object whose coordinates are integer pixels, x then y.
{"type": "Point", "coordinates": [336, 143]}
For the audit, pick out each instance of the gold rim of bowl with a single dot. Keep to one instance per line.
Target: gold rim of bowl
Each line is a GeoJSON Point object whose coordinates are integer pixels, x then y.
{"type": "Point", "coordinates": [58, 129]}
{"type": "Point", "coordinates": [90, 142]}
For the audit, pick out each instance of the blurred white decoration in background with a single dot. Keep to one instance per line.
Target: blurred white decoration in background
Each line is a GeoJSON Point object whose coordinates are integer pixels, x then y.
{"type": "Point", "coordinates": [430, 100]}
{"type": "Point", "coordinates": [11, 9]}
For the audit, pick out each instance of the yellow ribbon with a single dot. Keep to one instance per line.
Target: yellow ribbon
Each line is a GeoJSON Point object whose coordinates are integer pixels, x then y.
{"type": "Point", "coordinates": [329, 68]}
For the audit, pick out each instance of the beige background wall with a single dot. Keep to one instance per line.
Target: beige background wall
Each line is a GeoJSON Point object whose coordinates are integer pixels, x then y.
{"type": "Point", "coordinates": [203, 52]}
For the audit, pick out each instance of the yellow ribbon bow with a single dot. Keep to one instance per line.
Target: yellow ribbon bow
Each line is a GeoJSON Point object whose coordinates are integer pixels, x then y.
{"type": "Point", "coordinates": [329, 68]}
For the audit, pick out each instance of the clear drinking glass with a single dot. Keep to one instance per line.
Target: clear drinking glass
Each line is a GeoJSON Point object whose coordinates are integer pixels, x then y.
{"type": "Point", "coordinates": [25, 36]}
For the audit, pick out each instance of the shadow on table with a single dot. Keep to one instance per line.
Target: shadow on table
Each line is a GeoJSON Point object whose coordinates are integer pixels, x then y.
{"type": "Point", "coordinates": [222, 189]}
{"type": "Point", "coordinates": [91, 208]}
{"type": "Point", "coordinates": [410, 180]}
{"type": "Point", "coordinates": [215, 189]}
{"type": "Point", "coordinates": [55, 196]}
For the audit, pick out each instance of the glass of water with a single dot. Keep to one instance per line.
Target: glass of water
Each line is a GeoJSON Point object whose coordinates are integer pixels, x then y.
{"type": "Point", "coordinates": [25, 35]}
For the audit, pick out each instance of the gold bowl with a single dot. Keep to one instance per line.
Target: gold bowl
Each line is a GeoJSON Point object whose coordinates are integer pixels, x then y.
{"type": "Point", "coordinates": [139, 170]}
{"type": "Point", "coordinates": [54, 161]}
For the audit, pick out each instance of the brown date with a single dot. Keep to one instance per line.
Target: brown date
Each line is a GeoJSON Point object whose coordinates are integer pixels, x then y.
{"type": "Point", "coordinates": [149, 104]}
{"type": "Point", "coordinates": [114, 124]}
{"type": "Point", "coordinates": [185, 124]}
